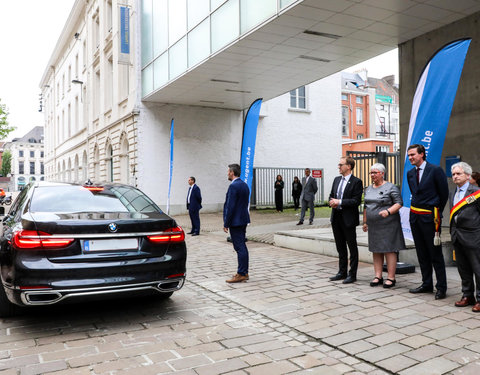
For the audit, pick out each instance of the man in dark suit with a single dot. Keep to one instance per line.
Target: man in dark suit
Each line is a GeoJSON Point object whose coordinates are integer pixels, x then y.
{"type": "Point", "coordinates": [194, 204]}
{"type": "Point", "coordinates": [465, 232]}
{"type": "Point", "coordinates": [429, 188]}
{"type": "Point", "coordinates": [345, 197]}
{"type": "Point", "coordinates": [309, 190]}
{"type": "Point", "coordinates": [235, 219]}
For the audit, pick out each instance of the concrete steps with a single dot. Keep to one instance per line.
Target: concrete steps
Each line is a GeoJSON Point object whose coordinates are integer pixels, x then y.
{"type": "Point", "coordinates": [321, 241]}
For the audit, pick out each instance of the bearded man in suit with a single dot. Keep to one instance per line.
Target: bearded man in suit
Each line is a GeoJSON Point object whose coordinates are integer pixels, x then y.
{"type": "Point", "coordinates": [345, 197]}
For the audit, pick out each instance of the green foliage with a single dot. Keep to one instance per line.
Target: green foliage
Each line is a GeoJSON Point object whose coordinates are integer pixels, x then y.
{"type": "Point", "coordinates": [6, 163]}
{"type": "Point", "coordinates": [5, 129]}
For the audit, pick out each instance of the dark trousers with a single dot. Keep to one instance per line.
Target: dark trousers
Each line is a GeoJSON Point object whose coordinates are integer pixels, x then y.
{"type": "Point", "coordinates": [311, 207]}
{"type": "Point", "coordinates": [296, 201]}
{"type": "Point", "coordinates": [279, 200]}
{"type": "Point", "coordinates": [345, 236]}
{"type": "Point", "coordinates": [429, 255]}
{"type": "Point", "coordinates": [195, 219]}
{"type": "Point", "coordinates": [468, 264]}
{"type": "Point", "coordinates": [237, 234]}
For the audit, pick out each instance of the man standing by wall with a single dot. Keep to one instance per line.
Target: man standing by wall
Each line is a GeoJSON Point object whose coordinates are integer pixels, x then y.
{"type": "Point", "coordinates": [235, 219]}
{"type": "Point", "coordinates": [309, 190]}
{"type": "Point", "coordinates": [429, 188]}
{"type": "Point", "coordinates": [194, 204]}
{"type": "Point", "coordinates": [345, 197]}
{"type": "Point", "coordinates": [465, 232]}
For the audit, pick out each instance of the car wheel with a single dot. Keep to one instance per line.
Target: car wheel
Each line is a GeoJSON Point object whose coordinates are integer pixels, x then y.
{"type": "Point", "coordinates": [7, 308]}
{"type": "Point", "coordinates": [165, 295]}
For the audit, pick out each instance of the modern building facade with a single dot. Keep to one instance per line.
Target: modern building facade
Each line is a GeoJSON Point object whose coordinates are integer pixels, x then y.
{"type": "Point", "coordinates": [28, 155]}
{"type": "Point", "coordinates": [202, 63]}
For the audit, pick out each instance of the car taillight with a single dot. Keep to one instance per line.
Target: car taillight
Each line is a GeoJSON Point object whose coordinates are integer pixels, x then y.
{"type": "Point", "coordinates": [169, 235]}
{"type": "Point", "coordinates": [31, 239]}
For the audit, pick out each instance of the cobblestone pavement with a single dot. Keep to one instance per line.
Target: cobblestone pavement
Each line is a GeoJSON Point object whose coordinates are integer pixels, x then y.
{"type": "Point", "coordinates": [288, 318]}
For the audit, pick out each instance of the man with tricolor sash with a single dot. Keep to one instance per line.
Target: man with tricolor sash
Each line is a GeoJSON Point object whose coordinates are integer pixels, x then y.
{"type": "Point", "coordinates": [465, 232]}
{"type": "Point", "coordinates": [429, 188]}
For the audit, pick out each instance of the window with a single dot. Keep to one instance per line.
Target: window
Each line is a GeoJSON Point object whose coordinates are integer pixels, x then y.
{"type": "Point", "coordinates": [345, 121]}
{"type": "Point", "coordinates": [382, 125]}
{"type": "Point", "coordinates": [20, 167]}
{"type": "Point", "coordinates": [109, 160]}
{"type": "Point", "coordinates": [108, 16]}
{"type": "Point", "coordinates": [382, 148]}
{"type": "Point", "coordinates": [32, 154]}
{"type": "Point", "coordinates": [32, 167]}
{"type": "Point", "coordinates": [42, 169]}
{"type": "Point", "coordinates": [359, 99]}
{"type": "Point", "coordinates": [96, 31]}
{"type": "Point", "coordinates": [20, 153]}
{"type": "Point", "coordinates": [298, 98]}
{"type": "Point", "coordinates": [359, 116]}
{"type": "Point", "coordinates": [108, 92]}
{"type": "Point", "coordinates": [41, 154]}
{"type": "Point", "coordinates": [344, 97]}
{"type": "Point", "coordinates": [359, 136]}
{"type": "Point", "coordinates": [382, 107]}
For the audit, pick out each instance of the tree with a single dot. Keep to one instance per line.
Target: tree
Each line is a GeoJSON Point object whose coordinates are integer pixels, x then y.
{"type": "Point", "coordinates": [5, 129]}
{"type": "Point", "coordinates": [6, 163]}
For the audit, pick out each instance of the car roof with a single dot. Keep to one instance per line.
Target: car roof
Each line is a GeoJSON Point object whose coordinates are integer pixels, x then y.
{"type": "Point", "coordinates": [103, 184]}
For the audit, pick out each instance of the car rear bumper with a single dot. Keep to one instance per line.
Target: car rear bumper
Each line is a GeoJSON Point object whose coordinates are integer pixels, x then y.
{"type": "Point", "coordinates": [36, 297]}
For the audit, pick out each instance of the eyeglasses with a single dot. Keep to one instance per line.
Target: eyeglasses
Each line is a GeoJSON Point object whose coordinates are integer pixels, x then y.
{"type": "Point", "coordinates": [375, 172]}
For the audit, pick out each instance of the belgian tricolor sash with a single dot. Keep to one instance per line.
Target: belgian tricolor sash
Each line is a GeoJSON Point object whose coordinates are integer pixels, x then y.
{"type": "Point", "coordinates": [463, 203]}
{"type": "Point", "coordinates": [436, 219]}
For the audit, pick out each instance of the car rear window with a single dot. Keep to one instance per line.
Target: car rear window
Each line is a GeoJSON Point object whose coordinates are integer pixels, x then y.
{"type": "Point", "coordinates": [81, 199]}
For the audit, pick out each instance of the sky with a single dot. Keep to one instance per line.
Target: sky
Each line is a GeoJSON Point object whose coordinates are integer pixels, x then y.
{"type": "Point", "coordinates": [30, 31]}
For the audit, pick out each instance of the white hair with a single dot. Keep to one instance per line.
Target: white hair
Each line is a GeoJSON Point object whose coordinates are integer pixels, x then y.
{"type": "Point", "coordinates": [378, 167]}
{"type": "Point", "coordinates": [467, 169]}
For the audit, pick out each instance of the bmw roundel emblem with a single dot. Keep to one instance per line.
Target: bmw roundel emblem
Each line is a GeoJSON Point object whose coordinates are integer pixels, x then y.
{"type": "Point", "coordinates": [112, 227]}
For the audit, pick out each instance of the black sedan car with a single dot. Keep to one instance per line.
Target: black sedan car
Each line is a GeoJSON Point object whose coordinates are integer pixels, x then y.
{"type": "Point", "coordinates": [67, 242]}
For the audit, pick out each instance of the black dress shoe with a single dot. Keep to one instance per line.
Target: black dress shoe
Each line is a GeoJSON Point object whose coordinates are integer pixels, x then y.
{"type": "Point", "coordinates": [195, 234]}
{"type": "Point", "coordinates": [300, 223]}
{"type": "Point", "coordinates": [440, 295]}
{"type": "Point", "coordinates": [338, 276]}
{"type": "Point", "coordinates": [350, 279]}
{"type": "Point", "coordinates": [422, 289]}
{"type": "Point", "coordinates": [190, 233]}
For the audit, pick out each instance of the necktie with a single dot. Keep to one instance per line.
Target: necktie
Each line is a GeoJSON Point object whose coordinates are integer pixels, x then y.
{"type": "Point", "coordinates": [457, 197]}
{"type": "Point", "coordinates": [418, 176]}
{"type": "Point", "coordinates": [340, 191]}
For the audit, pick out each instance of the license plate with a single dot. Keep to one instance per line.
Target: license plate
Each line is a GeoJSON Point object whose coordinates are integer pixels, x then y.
{"type": "Point", "coordinates": [114, 244]}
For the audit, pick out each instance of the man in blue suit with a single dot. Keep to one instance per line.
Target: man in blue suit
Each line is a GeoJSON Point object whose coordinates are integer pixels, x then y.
{"type": "Point", "coordinates": [235, 219]}
{"type": "Point", "coordinates": [194, 204]}
{"type": "Point", "coordinates": [429, 188]}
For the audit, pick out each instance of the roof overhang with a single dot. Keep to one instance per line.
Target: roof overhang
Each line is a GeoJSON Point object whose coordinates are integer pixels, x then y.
{"type": "Point", "coordinates": [308, 41]}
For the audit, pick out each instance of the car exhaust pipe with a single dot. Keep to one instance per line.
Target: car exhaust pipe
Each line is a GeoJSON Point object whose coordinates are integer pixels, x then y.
{"type": "Point", "coordinates": [41, 298]}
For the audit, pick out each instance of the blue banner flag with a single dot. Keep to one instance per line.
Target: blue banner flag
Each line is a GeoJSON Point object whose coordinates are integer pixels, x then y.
{"type": "Point", "coordinates": [431, 109]}
{"type": "Point", "coordinates": [248, 144]}
{"type": "Point", "coordinates": [124, 30]}
{"type": "Point", "coordinates": [171, 167]}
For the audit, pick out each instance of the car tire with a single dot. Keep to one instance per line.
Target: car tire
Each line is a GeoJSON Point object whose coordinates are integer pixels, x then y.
{"type": "Point", "coordinates": [7, 308]}
{"type": "Point", "coordinates": [165, 295]}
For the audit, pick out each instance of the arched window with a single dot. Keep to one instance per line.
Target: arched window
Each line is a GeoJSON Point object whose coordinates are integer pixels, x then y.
{"type": "Point", "coordinates": [84, 166]}
{"type": "Point", "coordinates": [75, 169]}
{"type": "Point", "coordinates": [96, 163]}
{"type": "Point", "coordinates": [64, 172]}
{"type": "Point", "coordinates": [109, 162]}
{"type": "Point", "coordinates": [124, 160]}
{"type": "Point", "coordinates": [69, 171]}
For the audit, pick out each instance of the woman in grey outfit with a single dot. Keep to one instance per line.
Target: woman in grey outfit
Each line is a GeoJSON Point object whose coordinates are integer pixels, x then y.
{"type": "Point", "coordinates": [382, 221]}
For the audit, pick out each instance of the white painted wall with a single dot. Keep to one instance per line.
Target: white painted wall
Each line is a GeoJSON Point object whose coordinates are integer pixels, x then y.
{"type": "Point", "coordinates": [206, 141]}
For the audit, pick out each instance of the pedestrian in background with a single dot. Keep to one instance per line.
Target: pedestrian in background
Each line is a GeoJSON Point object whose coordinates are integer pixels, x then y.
{"type": "Point", "coordinates": [279, 185]}
{"type": "Point", "coordinates": [296, 192]}
{"type": "Point", "coordinates": [310, 188]}
{"type": "Point", "coordinates": [465, 233]}
{"type": "Point", "coordinates": [381, 220]}
{"type": "Point", "coordinates": [194, 204]}
{"type": "Point", "coordinates": [475, 178]}
{"type": "Point", "coordinates": [235, 219]}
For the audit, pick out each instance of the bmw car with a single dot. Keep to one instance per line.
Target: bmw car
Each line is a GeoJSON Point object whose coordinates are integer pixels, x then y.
{"type": "Point", "coordinates": [68, 242]}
